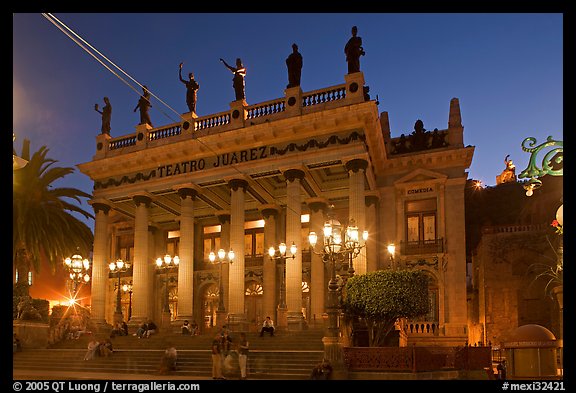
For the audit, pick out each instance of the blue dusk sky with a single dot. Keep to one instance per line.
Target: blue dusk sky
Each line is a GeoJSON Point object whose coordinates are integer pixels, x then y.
{"type": "Point", "coordinates": [506, 69]}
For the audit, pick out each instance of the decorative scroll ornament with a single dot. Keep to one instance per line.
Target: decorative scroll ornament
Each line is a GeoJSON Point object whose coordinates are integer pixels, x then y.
{"type": "Point", "coordinates": [552, 163]}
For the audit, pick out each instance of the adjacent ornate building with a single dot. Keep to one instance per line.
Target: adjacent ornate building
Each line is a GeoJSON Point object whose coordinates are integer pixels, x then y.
{"type": "Point", "coordinates": [254, 176]}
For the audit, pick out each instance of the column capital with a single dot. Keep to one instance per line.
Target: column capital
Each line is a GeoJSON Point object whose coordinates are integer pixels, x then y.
{"type": "Point", "coordinates": [317, 204]}
{"type": "Point", "coordinates": [142, 199]}
{"type": "Point", "coordinates": [293, 174]}
{"type": "Point", "coordinates": [235, 184]}
{"type": "Point", "coordinates": [223, 216]}
{"type": "Point", "coordinates": [356, 164]}
{"type": "Point", "coordinates": [269, 210]}
{"type": "Point", "coordinates": [371, 200]}
{"type": "Point", "coordinates": [99, 206]}
{"type": "Point", "coordinates": [186, 192]}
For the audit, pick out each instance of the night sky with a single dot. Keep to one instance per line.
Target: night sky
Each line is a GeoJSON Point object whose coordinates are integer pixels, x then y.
{"type": "Point", "coordinates": [505, 68]}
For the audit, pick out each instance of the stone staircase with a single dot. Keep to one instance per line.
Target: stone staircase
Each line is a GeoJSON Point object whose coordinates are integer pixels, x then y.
{"type": "Point", "coordinates": [287, 355]}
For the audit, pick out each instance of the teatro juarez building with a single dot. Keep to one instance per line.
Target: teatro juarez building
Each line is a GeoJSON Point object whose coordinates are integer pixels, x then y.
{"type": "Point", "coordinates": [254, 176]}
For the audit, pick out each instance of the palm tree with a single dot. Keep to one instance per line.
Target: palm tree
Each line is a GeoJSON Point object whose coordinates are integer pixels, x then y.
{"type": "Point", "coordinates": [43, 226]}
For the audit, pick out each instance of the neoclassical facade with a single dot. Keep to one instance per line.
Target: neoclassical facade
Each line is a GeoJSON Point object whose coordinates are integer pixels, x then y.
{"type": "Point", "coordinates": [254, 176]}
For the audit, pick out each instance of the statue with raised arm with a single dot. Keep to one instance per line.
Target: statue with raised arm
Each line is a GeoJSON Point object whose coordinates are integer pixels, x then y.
{"type": "Point", "coordinates": [294, 64]}
{"type": "Point", "coordinates": [354, 50]}
{"type": "Point", "coordinates": [106, 113]}
{"type": "Point", "coordinates": [191, 89]}
{"type": "Point", "coordinates": [238, 81]}
{"type": "Point", "coordinates": [144, 105]}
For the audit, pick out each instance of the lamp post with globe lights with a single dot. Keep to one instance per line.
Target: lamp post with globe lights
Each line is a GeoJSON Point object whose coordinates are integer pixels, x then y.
{"type": "Point", "coordinates": [127, 287]}
{"type": "Point", "coordinates": [392, 251]}
{"type": "Point", "coordinates": [165, 264]}
{"type": "Point", "coordinates": [78, 268]}
{"type": "Point", "coordinates": [341, 244]}
{"type": "Point", "coordinates": [118, 267]}
{"type": "Point", "coordinates": [280, 254]}
{"type": "Point", "coordinates": [221, 311]}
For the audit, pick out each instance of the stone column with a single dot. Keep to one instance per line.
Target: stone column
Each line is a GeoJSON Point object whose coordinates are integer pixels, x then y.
{"type": "Point", "coordinates": [319, 285]}
{"type": "Point", "coordinates": [236, 315]}
{"type": "Point", "coordinates": [357, 207]}
{"type": "Point", "coordinates": [141, 267]}
{"type": "Point", "coordinates": [372, 227]}
{"type": "Point", "coordinates": [100, 267]}
{"type": "Point", "coordinates": [293, 234]}
{"type": "Point", "coordinates": [186, 255]}
{"type": "Point", "coordinates": [270, 298]}
{"type": "Point", "coordinates": [224, 219]}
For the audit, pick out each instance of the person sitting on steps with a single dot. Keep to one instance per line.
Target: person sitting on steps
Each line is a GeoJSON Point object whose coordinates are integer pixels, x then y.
{"type": "Point", "coordinates": [267, 326]}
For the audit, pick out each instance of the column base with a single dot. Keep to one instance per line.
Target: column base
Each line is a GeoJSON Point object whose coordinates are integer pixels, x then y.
{"type": "Point", "coordinates": [100, 327]}
{"type": "Point", "coordinates": [221, 318]}
{"type": "Point", "coordinates": [335, 355]}
{"type": "Point", "coordinates": [118, 317]}
{"type": "Point", "coordinates": [296, 321]}
{"type": "Point", "coordinates": [165, 323]}
{"type": "Point", "coordinates": [282, 318]}
{"type": "Point", "coordinates": [237, 323]}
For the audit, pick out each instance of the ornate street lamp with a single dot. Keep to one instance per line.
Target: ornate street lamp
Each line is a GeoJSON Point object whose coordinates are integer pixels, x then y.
{"type": "Point", "coordinates": [552, 162]}
{"type": "Point", "coordinates": [78, 267]}
{"type": "Point", "coordinates": [280, 254]}
{"type": "Point", "coordinates": [221, 259]}
{"type": "Point", "coordinates": [165, 264]}
{"type": "Point", "coordinates": [340, 245]}
{"type": "Point", "coordinates": [127, 287]}
{"type": "Point", "coordinates": [553, 165]}
{"type": "Point", "coordinates": [392, 251]}
{"type": "Point", "coordinates": [118, 267]}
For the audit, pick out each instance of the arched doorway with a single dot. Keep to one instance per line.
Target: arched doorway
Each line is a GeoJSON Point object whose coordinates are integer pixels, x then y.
{"type": "Point", "coordinates": [253, 304]}
{"type": "Point", "coordinates": [210, 305]}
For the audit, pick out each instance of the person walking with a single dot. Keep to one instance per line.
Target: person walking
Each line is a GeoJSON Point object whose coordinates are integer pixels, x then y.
{"type": "Point", "coordinates": [243, 348]}
{"type": "Point", "coordinates": [217, 357]}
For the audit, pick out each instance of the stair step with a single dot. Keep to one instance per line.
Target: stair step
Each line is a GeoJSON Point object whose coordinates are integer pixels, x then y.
{"type": "Point", "coordinates": [287, 355]}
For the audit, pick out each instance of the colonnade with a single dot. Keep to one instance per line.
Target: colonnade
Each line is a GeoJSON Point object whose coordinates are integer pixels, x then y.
{"type": "Point", "coordinates": [232, 230]}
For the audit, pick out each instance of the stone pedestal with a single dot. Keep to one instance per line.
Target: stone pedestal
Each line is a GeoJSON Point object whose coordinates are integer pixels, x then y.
{"type": "Point", "coordinates": [33, 335]}
{"type": "Point", "coordinates": [165, 323]}
{"type": "Point", "coordinates": [282, 319]}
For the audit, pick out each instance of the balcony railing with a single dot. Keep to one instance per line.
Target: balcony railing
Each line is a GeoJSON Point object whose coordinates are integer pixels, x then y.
{"type": "Point", "coordinates": [247, 115]}
{"type": "Point", "coordinates": [433, 246]}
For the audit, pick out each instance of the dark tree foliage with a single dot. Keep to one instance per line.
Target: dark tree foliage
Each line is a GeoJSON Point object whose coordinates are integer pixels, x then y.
{"type": "Point", "coordinates": [380, 298]}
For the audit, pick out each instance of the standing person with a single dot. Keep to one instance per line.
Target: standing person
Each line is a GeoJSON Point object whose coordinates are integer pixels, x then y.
{"type": "Point", "coordinates": [243, 348]}
{"type": "Point", "coordinates": [294, 64]}
{"type": "Point", "coordinates": [267, 326]}
{"type": "Point", "coordinates": [226, 347]}
{"type": "Point", "coordinates": [191, 89]}
{"type": "Point", "coordinates": [238, 81]}
{"type": "Point", "coordinates": [144, 105]}
{"type": "Point", "coordinates": [217, 357]}
{"type": "Point", "coordinates": [354, 50]}
{"type": "Point", "coordinates": [106, 113]}
{"type": "Point", "coordinates": [501, 369]}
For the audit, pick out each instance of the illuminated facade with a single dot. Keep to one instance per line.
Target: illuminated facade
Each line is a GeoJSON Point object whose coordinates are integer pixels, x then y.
{"type": "Point", "coordinates": [254, 176]}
